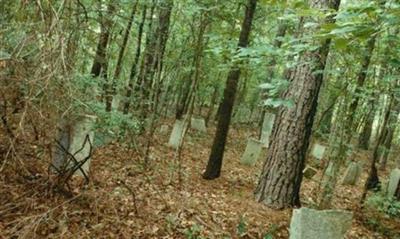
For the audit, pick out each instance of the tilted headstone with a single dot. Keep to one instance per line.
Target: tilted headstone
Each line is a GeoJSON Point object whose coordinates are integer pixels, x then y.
{"type": "Point", "coordinates": [80, 146]}
{"type": "Point", "coordinates": [177, 133]}
{"type": "Point", "coordinates": [394, 181]}
{"type": "Point", "coordinates": [77, 140]}
{"type": "Point", "coordinates": [164, 129]}
{"type": "Point", "coordinates": [308, 223]}
{"type": "Point", "coordinates": [309, 172]}
{"type": "Point", "coordinates": [243, 115]}
{"type": "Point", "coordinates": [252, 152]}
{"type": "Point", "coordinates": [60, 149]}
{"type": "Point", "coordinates": [198, 124]}
{"type": "Point", "coordinates": [318, 151]}
{"type": "Point", "coordinates": [267, 126]}
{"type": "Point", "coordinates": [352, 174]}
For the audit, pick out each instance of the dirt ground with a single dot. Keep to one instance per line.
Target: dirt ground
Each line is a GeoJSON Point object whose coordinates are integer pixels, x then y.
{"type": "Point", "coordinates": [166, 199]}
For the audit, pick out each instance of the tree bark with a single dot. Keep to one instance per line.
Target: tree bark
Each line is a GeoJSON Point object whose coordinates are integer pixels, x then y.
{"type": "Point", "coordinates": [280, 180]}
{"type": "Point", "coordinates": [365, 136]}
{"type": "Point", "coordinates": [135, 63]}
{"type": "Point", "coordinates": [111, 88]}
{"type": "Point", "coordinates": [213, 169]}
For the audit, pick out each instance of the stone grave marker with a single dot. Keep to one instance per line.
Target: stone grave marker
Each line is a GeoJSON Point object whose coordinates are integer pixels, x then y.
{"type": "Point", "coordinates": [352, 174]}
{"type": "Point", "coordinates": [80, 145]}
{"type": "Point", "coordinates": [308, 223]}
{"type": "Point", "coordinates": [252, 152]}
{"type": "Point", "coordinates": [394, 181]}
{"type": "Point", "coordinates": [76, 139]}
{"type": "Point", "coordinates": [309, 172]}
{"type": "Point", "coordinates": [266, 131]}
{"type": "Point", "coordinates": [176, 135]}
{"type": "Point", "coordinates": [243, 115]}
{"type": "Point", "coordinates": [318, 151]}
{"type": "Point", "coordinates": [164, 129]}
{"type": "Point", "coordinates": [198, 124]}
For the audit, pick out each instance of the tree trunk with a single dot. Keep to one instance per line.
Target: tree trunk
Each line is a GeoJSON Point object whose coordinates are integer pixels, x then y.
{"type": "Point", "coordinates": [111, 89]}
{"type": "Point", "coordinates": [362, 75]}
{"type": "Point", "coordinates": [154, 53]}
{"type": "Point", "coordinates": [135, 63]}
{"type": "Point", "coordinates": [365, 136]}
{"type": "Point", "coordinates": [280, 181]}
{"type": "Point", "coordinates": [100, 60]}
{"type": "Point", "coordinates": [213, 169]}
{"type": "Point", "coordinates": [389, 123]}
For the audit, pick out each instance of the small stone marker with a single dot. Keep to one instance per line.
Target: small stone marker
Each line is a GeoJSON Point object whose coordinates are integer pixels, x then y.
{"type": "Point", "coordinates": [243, 115]}
{"type": "Point", "coordinates": [308, 223]}
{"type": "Point", "coordinates": [198, 124]}
{"type": "Point", "coordinates": [252, 152]}
{"type": "Point", "coordinates": [318, 151]}
{"type": "Point", "coordinates": [80, 146]}
{"type": "Point", "coordinates": [394, 181]}
{"type": "Point", "coordinates": [309, 172]}
{"type": "Point", "coordinates": [267, 126]}
{"type": "Point", "coordinates": [76, 139]}
{"type": "Point", "coordinates": [176, 135]}
{"type": "Point", "coordinates": [352, 174]}
{"type": "Point", "coordinates": [164, 129]}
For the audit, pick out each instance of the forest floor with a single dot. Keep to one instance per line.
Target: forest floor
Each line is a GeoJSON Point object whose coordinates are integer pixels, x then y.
{"type": "Point", "coordinates": [167, 199]}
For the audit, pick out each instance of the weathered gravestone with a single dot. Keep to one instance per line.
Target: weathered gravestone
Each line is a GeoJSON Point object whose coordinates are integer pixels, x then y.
{"type": "Point", "coordinates": [309, 172]}
{"type": "Point", "coordinates": [252, 152]}
{"type": "Point", "coordinates": [318, 151]}
{"type": "Point", "coordinates": [164, 129]}
{"type": "Point", "coordinates": [198, 124]}
{"type": "Point", "coordinates": [308, 223]}
{"type": "Point", "coordinates": [77, 140]}
{"type": "Point", "coordinates": [243, 115]}
{"type": "Point", "coordinates": [177, 133]}
{"type": "Point", "coordinates": [352, 174]}
{"type": "Point", "coordinates": [394, 181]}
{"type": "Point", "coordinates": [267, 126]}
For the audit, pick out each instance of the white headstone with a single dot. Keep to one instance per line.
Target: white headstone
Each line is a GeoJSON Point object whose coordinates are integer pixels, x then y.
{"type": "Point", "coordinates": [267, 126]}
{"type": "Point", "coordinates": [308, 223]}
{"type": "Point", "coordinates": [198, 124]}
{"type": "Point", "coordinates": [252, 152]}
{"type": "Point", "coordinates": [352, 174]}
{"type": "Point", "coordinates": [164, 129]}
{"type": "Point", "coordinates": [177, 133]}
{"type": "Point", "coordinates": [318, 151]}
{"type": "Point", "coordinates": [80, 145]}
{"type": "Point", "coordinates": [76, 138]}
{"type": "Point", "coordinates": [394, 181]}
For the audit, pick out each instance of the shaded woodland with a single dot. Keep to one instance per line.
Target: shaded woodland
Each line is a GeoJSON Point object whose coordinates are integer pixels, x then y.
{"type": "Point", "coordinates": [199, 118]}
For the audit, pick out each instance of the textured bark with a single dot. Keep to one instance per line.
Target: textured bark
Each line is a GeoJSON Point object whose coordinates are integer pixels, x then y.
{"type": "Point", "coordinates": [389, 121]}
{"type": "Point", "coordinates": [213, 168]}
{"type": "Point", "coordinates": [280, 180]}
{"type": "Point", "coordinates": [365, 136]}
{"type": "Point", "coordinates": [110, 90]}
{"type": "Point", "coordinates": [154, 52]}
{"type": "Point", "coordinates": [100, 60]}
{"type": "Point", "coordinates": [135, 62]}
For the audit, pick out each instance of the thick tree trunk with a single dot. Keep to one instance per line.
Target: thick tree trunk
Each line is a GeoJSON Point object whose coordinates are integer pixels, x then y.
{"type": "Point", "coordinates": [280, 181]}
{"type": "Point", "coordinates": [213, 168]}
{"type": "Point", "coordinates": [135, 63]}
{"type": "Point", "coordinates": [111, 88]}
